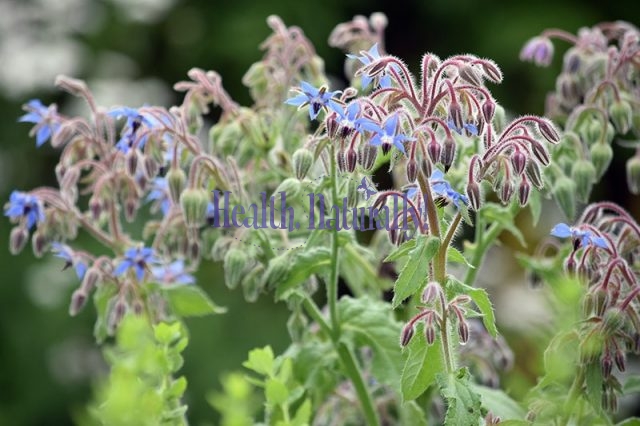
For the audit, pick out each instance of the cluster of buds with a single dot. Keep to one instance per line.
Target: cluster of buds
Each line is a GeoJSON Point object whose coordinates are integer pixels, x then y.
{"type": "Point", "coordinates": [595, 100]}
{"type": "Point", "coordinates": [605, 256]}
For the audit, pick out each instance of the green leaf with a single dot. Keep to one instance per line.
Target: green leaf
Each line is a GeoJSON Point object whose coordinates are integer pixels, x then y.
{"type": "Point", "coordinates": [499, 403]}
{"type": "Point", "coordinates": [191, 301]}
{"type": "Point", "coordinates": [414, 274]}
{"type": "Point", "coordinates": [101, 299]}
{"type": "Point", "coordinates": [634, 421]}
{"type": "Point", "coordinates": [261, 361]}
{"type": "Point", "coordinates": [631, 385]}
{"type": "Point", "coordinates": [371, 323]}
{"type": "Point", "coordinates": [401, 251]}
{"type": "Point", "coordinates": [503, 216]}
{"type": "Point", "coordinates": [412, 414]}
{"type": "Point", "coordinates": [298, 267]}
{"type": "Point", "coordinates": [593, 380]}
{"type": "Point", "coordinates": [276, 392]}
{"type": "Point", "coordinates": [178, 387]}
{"type": "Point", "coordinates": [423, 363]}
{"type": "Point", "coordinates": [303, 414]}
{"type": "Point", "coordinates": [463, 404]}
{"type": "Point", "coordinates": [480, 298]}
{"type": "Point", "coordinates": [454, 255]}
{"type": "Point", "coordinates": [535, 206]}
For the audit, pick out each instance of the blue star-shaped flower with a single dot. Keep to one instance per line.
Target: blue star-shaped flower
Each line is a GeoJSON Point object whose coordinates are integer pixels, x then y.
{"type": "Point", "coordinates": [160, 194]}
{"type": "Point", "coordinates": [317, 99]}
{"type": "Point", "coordinates": [367, 58]}
{"type": "Point", "coordinates": [135, 120]}
{"type": "Point", "coordinates": [45, 119]}
{"type": "Point", "coordinates": [138, 259]}
{"type": "Point", "coordinates": [442, 188]}
{"type": "Point", "coordinates": [25, 206]}
{"type": "Point", "coordinates": [173, 273]}
{"type": "Point", "coordinates": [387, 135]}
{"type": "Point", "coordinates": [348, 120]}
{"type": "Point", "coordinates": [585, 237]}
{"type": "Point", "coordinates": [64, 252]}
{"type": "Point", "coordinates": [469, 127]}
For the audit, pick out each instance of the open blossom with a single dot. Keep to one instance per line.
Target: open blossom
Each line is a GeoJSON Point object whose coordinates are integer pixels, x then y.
{"type": "Point", "coordinates": [442, 188]}
{"type": "Point", "coordinates": [173, 273]}
{"type": "Point", "coordinates": [539, 50]}
{"type": "Point", "coordinates": [586, 237]}
{"type": "Point", "coordinates": [367, 58]}
{"type": "Point", "coordinates": [135, 120]}
{"type": "Point", "coordinates": [45, 118]}
{"type": "Point", "coordinates": [387, 135]}
{"type": "Point", "coordinates": [23, 206]}
{"type": "Point", "coordinates": [138, 259]}
{"type": "Point", "coordinates": [72, 259]}
{"type": "Point", "coordinates": [469, 127]}
{"type": "Point", "coordinates": [317, 99]}
{"type": "Point", "coordinates": [160, 194]}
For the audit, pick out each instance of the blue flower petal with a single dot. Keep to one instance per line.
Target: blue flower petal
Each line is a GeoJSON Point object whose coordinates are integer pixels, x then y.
{"type": "Point", "coordinates": [561, 230]}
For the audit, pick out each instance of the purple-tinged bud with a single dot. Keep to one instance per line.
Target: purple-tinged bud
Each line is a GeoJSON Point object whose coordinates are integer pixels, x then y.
{"type": "Point", "coordinates": [95, 206]}
{"type": "Point", "coordinates": [429, 333]}
{"type": "Point", "coordinates": [150, 167]}
{"type": "Point", "coordinates": [506, 191]}
{"type": "Point", "coordinates": [431, 292]}
{"type": "Point", "coordinates": [491, 71]}
{"type": "Point", "coordinates": [473, 193]}
{"type": "Point", "coordinates": [540, 152]}
{"type": "Point", "coordinates": [132, 161]}
{"type": "Point", "coordinates": [176, 179]}
{"type": "Point", "coordinates": [194, 251]}
{"type": "Point", "coordinates": [462, 299]}
{"type": "Point", "coordinates": [130, 208]}
{"type": "Point", "coordinates": [601, 300]}
{"type": "Point", "coordinates": [583, 174]}
{"type": "Point", "coordinates": [137, 307]}
{"type": "Point", "coordinates": [606, 364]}
{"type": "Point", "coordinates": [548, 130]}
{"type": "Point", "coordinates": [518, 161]}
{"type": "Point", "coordinates": [621, 360]}
{"type": "Point", "coordinates": [90, 279]}
{"type": "Point", "coordinates": [412, 170]}
{"type": "Point", "coordinates": [78, 300]}
{"type": "Point", "coordinates": [434, 149]}
{"type": "Point", "coordinates": [564, 192]}
{"type": "Point", "coordinates": [612, 401]}
{"type": "Point", "coordinates": [621, 116]}
{"type": "Point", "coordinates": [633, 174]}
{"type": "Point", "coordinates": [601, 156]}
{"type": "Point", "coordinates": [448, 153]}
{"type": "Point", "coordinates": [367, 155]}
{"type": "Point", "coordinates": [455, 114]}
{"type": "Point", "coordinates": [39, 243]}
{"type": "Point", "coordinates": [534, 175]}
{"type": "Point", "coordinates": [332, 125]}
{"type": "Point", "coordinates": [302, 161]}
{"type": "Point", "coordinates": [635, 337]}
{"type": "Point", "coordinates": [425, 166]}
{"type": "Point", "coordinates": [341, 161]}
{"type": "Point", "coordinates": [488, 110]}
{"type": "Point", "coordinates": [470, 74]}
{"type": "Point", "coordinates": [572, 61]}
{"type": "Point", "coordinates": [235, 262]}
{"type": "Point", "coordinates": [117, 313]}
{"type": "Point", "coordinates": [18, 239]}
{"type": "Point", "coordinates": [588, 305]}
{"type": "Point", "coordinates": [539, 50]}
{"type": "Point", "coordinates": [523, 191]}
{"type": "Point", "coordinates": [351, 159]}
{"type": "Point", "coordinates": [567, 87]}
{"type": "Point", "coordinates": [407, 333]}
{"type": "Point", "coordinates": [194, 203]}
{"type": "Point", "coordinates": [463, 332]}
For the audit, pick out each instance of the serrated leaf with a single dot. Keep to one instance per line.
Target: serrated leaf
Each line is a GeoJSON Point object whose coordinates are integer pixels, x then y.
{"type": "Point", "coordinates": [301, 265]}
{"type": "Point", "coordinates": [503, 216]}
{"type": "Point", "coordinates": [454, 255]}
{"type": "Point", "coordinates": [191, 301]}
{"type": "Point", "coordinates": [414, 274]}
{"type": "Point", "coordinates": [463, 404]}
{"type": "Point", "coordinates": [631, 385]}
{"type": "Point", "coordinates": [423, 362]}
{"type": "Point", "coordinates": [499, 403]}
{"type": "Point", "coordinates": [480, 298]}
{"type": "Point", "coordinates": [401, 251]}
{"type": "Point", "coordinates": [276, 392]}
{"type": "Point", "coordinates": [261, 361]}
{"type": "Point", "coordinates": [370, 323]}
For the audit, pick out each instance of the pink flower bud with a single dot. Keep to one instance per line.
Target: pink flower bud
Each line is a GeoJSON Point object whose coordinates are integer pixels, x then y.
{"type": "Point", "coordinates": [351, 159]}
{"type": "Point", "coordinates": [488, 110]}
{"type": "Point", "coordinates": [407, 333]}
{"type": "Point", "coordinates": [18, 239]}
{"type": "Point", "coordinates": [412, 170]}
{"type": "Point", "coordinates": [548, 130]}
{"type": "Point", "coordinates": [518, 161]}
{"type": "Point", "coordinates": [473, 193]}
{"type": "Point", "coordinates": [78, 301]}
{"type": "Point", "coordinates": [523, 191]}
{"type": "Point", "coordinates": [434, 149]}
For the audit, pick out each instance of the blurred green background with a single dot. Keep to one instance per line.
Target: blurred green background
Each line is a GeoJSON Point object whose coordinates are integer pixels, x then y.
{"type": "Point", "coordinates": [131, 52]}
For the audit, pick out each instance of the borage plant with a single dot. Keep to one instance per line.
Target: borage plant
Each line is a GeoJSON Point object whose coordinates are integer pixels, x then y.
{"type": "Point", "coordinates": [287, 199]}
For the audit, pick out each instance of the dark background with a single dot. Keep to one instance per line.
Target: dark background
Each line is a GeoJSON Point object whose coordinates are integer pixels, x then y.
{"type": "Point", "coordinates": [47, 359]}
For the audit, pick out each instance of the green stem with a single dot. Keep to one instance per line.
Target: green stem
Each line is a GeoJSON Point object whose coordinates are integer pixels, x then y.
{"type": "Point", "coordinates": [444, 335]}
{"type": "Point", "coordinates": [332, 285]}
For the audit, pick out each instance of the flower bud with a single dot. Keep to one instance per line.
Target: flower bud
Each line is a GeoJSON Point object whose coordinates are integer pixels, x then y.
{"type": "Point", "coordinates": [434, 149]}
{"type": "Point", "coordinates": [620, 360]}
{"type": "Point", "coordinates": [235, 261]}
{"type": "Point", "coordinates": [78, 300]}
{"type": "Point", "coordinates": [341, 161]}
{"type": "Point", "coordinates": [412, 170]}
{"type": "Point", "coordinates": [117, 313]}
{"type": "Point", "coordinates": [132, 161]}
{"type": "Point", "coordinates": [455, 114]}
{"type": "Point", "coordinates": [38, 243]}
{"type": "Point", "coordinates": [506, 191]}
{"type": "Point", "coordinates": [18, 239]}
{"type": "Point", "coordinates": [130, 208]}
{"type": "Point", "coordinates": [473, 193]}
{"type": "Point", "coordinates": [407, 333]}
{"type": "Point", "coordinates": [533, 174]}
{"type": "Point", "coordinates": [587, 305]}
{"type": "Point", "coordinates": [488, 110]}
{"type": "Point", "coordinates": [367, 154]}
{"type": "Point", "coordinates": [621, 116]}
{"type": "Point", "coordinates": [606, 365]}
{"type": "Point", "coordinates": [194, 206]}
{"type": "Point", "coordinates": [302, 162]}
{"type": "Point", "coordinates": [252, 284]}
{"type": "Point", "coordinates": [540, 152]}
{"type": "Point", "coordinates": [429, 333]}
{"type": "Point", "coordinates": [583, 174]}
{"type": "Point", "coordinates": [194, 250]}
{"type": "Point", "coordinates": [90, 280]}
{"type": "Point", "coordinates": [71, 85]}
{"type": "Point", "coordinates": [548, 130]}
{"type": "Point", "coordinates": [297, 326]}
{"type": "Point", "coordinates": [425, 166]}
{"type": "Point", "coordinates": [176, 179]}
{"type": "Point", "coordinates": [431, 292]}
{"type": "Point", "coordinates": [633, 174]}
{"type": "Point", "coordinates": [469, 74]}
{"type": "Point", "coordinates": [352, 193]}
{"type": "Point", "coordinates": [138, 307]}
{"type": "Point", "coordinates": [491, 71]}
{"type": "Point", "coordinates": [601, 156]}
{"type": "Point", "coordinates": [612, 321]}
{"type": "Point", "coordinates": [564, 192]}
{"type": "Point", "coordinates": [463, 332]}
{"type": "Point", "coordinates": [448, 153]}
{"type": "Point", "coordinates": [351, 158]}
{"type": "Point", "coordinates": [523, 191]}
{"type": "Point", "coordinates": [567, 86]}
{"type": "Point", "coordinates": [518, 161]}
{"type": "Point", "coordinates": [95, 206]}
{"type": "Point", "coordinates": [150, 167]}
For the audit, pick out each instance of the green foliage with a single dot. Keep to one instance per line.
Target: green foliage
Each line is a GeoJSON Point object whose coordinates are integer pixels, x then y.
{"type": "Point", "coordinates": [414, 274]}
{"type": "Point", "coordinates": [422, 364]}
{"type": "Point", "coordinates": [463, 403]}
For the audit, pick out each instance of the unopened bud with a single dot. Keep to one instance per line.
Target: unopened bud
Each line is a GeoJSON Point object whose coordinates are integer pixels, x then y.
{"type": "Point", "coordinates": [150, 167]}
{"type": "Point", "coordinates": [518, 161]}
{"type": "Point", "coordinates": [429, 333]}
{"type": "Point", "coordinates": [607, 365]}
{"type": "Point", "coordinates": [434, 149]}
{"type": "Point", "coordinates": [426, 167]}
{"type": "Point", "coordinates": [534, 175]}
{"type": "Point", "coordinates": [351, 158]}
{"type": "Point", "coordinates": [302, 161]}
{"type": "Point", "coordinates": [548, 130]}
{"type": "Point", "coordinates": [620, 360]}
{"type": "Point", "coordinates": [621, 116]}
{"type": "Point", "coordinates": [612, 321]}
{"type": "Point", "coordinates": [491, 71]}
{"type": "Point", "coordinates": [583, 174]}
{"type": "Point", "coordinates": [564, 192]}
{"type": "Point", "coordinates": [18, 239]}
{"type": "Point", "coordinates": [448, 153]}
{"type": "Point", "coordinates": [470, 74]}
{"type": "Point", "coordinates": [176, 179]}
{"type": "Point", "coordinates": [138, 307]}
{"type": "Point", "coordinates": [367, 154]}
{"type": "Point", "coordinates": [78, 300]}
{"type": "Point", "coordinates": [463, 332]}
{"type": "Point", "coordinates": [488, 110]}
{"type": "Point", "coordinates": [523, 191]}
{"type": "Point", "coordinates": [506, 191]}
{"type": "Point", "coordinates": [540, 152]}
{"type": "Point", "coordinates": [253, 284]}
{"type": "Point", "coordinates": [332, 125]}
{"type": "Point", "coordinates": [407, 333]}
{"type": "Point", "coordinates": [431, 292]}
{"type": "Point", "coordinates": [297, 326]}
{"type": "Point", "coordinates": [633, 174]}
{"type": "Point", "coordinates": [38, 243]}
{"type": "Point", "coordinates": [194, 203]}
{"type": "Point", "coordinates": [587, 305]}
{"type": "Point", "coordinates": [601, 156]}
{"type": "Point", "coordinates": [71, 85]}
{"type": "Point", "coordinates": [567, 86]}
{"type": "Point", "coordinates": [194, 250]}
{"type": "Point", "coordinates": [95, 206]}
{"type": "Point", "coordinates": [117, 313]}
{"type": "Point", "coordinates": [235, 261]}
{"type": "Point", "coordinates": [473, 193]}
{"type": "Point", "coordinates": [412, 170]}
{"type": "Point", "coordinates": [132, 161]}
{"type": "Point", "coordinates": [455, 114]}
{"type": "Point", "coordinates": [341, 161]}
{"type": "Point", "coordinates": [130, 208]}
